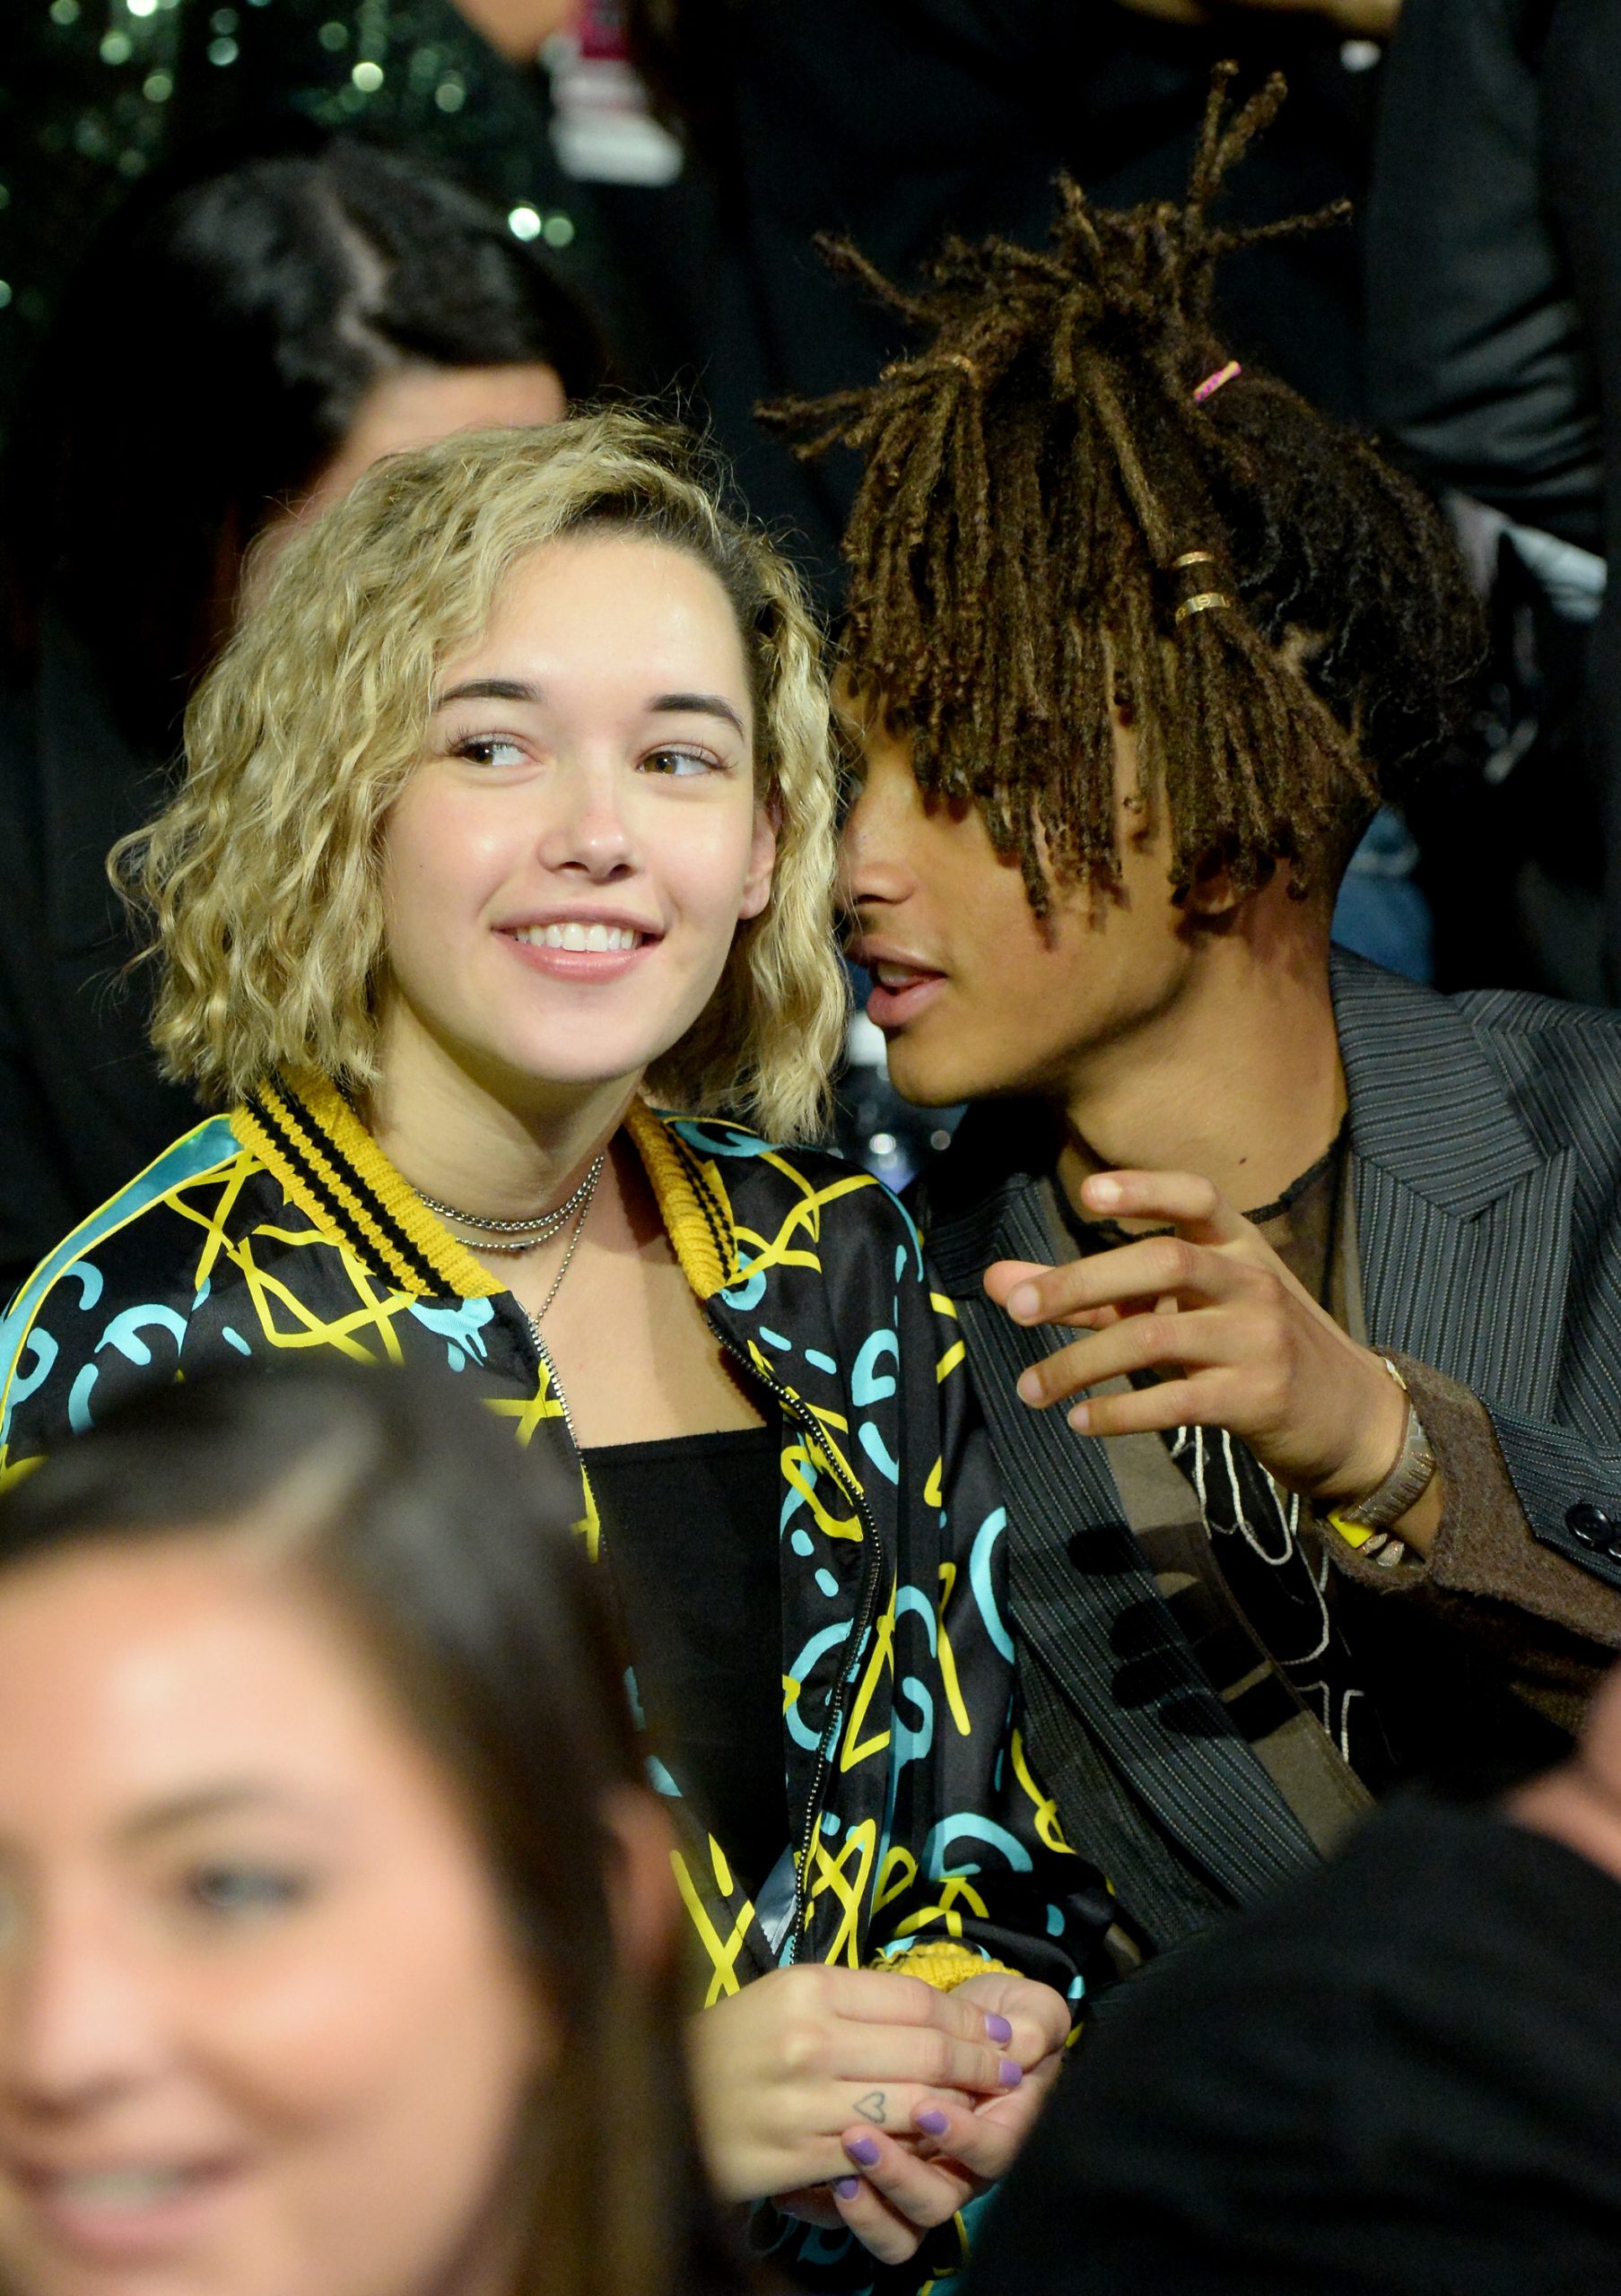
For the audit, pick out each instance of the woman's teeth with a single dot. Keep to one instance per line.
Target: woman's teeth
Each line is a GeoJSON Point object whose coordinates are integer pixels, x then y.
{"type": "Point", "coordinates": [598, 939]}
{"type": "Point", "coordinates": [121, 2188]}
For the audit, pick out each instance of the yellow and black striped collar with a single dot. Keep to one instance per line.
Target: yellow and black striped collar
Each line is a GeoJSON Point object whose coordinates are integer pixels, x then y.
{"type": "Point", "coordinates": [306, 1134]}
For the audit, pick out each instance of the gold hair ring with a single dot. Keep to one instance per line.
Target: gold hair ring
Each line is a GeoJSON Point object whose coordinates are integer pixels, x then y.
{"type": "Point", "coordinates": [1206, 599]}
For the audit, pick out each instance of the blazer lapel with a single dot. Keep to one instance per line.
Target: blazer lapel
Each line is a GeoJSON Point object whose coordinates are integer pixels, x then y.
{"type": "Point", "coordinates": [1463, 1219]}
{"type": "Point", "coordinates": [1084, 1600]}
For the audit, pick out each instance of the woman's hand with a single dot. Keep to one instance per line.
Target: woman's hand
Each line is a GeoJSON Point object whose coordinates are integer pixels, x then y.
{"type": "Point", "coordinates": [1237, 1342]}
{"type": "Point", "coordinates": [784, 2070]}
{"type": "Point", "coordinates": [911, 2180]}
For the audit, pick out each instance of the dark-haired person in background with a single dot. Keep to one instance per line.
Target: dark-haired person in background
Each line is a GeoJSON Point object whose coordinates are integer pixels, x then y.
{"type": "Point", "coordinates": [233, 354]}
{"type": "Point", "coordinates": [1138, 640]}
{"type": "Point", "coordinates": [339, 1950]}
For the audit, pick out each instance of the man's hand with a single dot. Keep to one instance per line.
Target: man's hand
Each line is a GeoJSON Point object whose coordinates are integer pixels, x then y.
{"type": "Point", "coordinates": [519, 28]}
{"type": "Point", "coordinates": [1580, 1802]}
{"type": "Point", "coordinates": [1236, 1340]}
{"type": "Point", "coordinates": [784, 2071]}
{"type": "Point", "coordinates": [1357, 19]}
{"type": "Point", "coordinates": [917, 2177]}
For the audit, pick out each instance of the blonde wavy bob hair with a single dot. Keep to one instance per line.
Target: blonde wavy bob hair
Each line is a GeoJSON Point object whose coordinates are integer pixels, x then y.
{"type": "Point", "coordinates": [262, 879]}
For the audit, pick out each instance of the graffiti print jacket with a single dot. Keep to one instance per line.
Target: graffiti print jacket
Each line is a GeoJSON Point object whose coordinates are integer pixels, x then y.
{"type": "Point", "coordinates": [920, 1834]}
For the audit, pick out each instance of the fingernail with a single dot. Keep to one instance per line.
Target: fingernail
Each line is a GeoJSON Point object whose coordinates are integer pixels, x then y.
{"type": "Point", "coordinates": [1009, 2074]}
{"type": "Point", "coordinates": [847, 2187]}
{"type": "Point", "coordinates": [931, 2120]}
{"type": "Point", "coordinates": [998, 2028]}
{"type": "Point", "coordinates": [1099, 1190]}
{"type": "Point", "coordinates": [1080, 1418]}
{"type": "Point", "coordinates": [1030, 1386]}
{"type": "Point", "coordinates": [1024, 1301]}
{"type": "Point", "coordinates": [865, 2149]}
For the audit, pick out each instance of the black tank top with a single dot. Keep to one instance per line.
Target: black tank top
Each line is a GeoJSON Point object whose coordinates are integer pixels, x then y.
{"type": "Point", "coordinates": [692, 1527]}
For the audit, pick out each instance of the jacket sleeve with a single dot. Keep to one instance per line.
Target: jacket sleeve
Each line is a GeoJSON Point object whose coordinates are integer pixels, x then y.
{"type": "Point", "coordinates": [50, 1351]}
{"type": "Point", "coordinates": [995, 1877]}
{"type": "Point", "coordinates": [1507, 1571]}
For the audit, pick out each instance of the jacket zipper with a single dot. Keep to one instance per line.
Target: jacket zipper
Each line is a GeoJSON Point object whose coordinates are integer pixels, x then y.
{"type": "Point", "coordinates": [543, 1352]}
{"type": "Point", "coordinates": [802, 1419]}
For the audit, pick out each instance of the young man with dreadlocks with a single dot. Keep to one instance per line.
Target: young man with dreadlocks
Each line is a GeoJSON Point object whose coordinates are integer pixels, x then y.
{"type": "Point", "coordinates": [1137, 642]}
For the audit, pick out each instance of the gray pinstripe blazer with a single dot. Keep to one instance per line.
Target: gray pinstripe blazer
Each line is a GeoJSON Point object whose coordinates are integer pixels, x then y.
{"type": "Point", "coordinates": [1486, 1137]}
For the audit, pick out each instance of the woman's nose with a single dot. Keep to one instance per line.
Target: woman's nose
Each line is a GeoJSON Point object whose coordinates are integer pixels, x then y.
{"type": "Point", "coordinates": [588, 826]}
{"type": "Point", "coordinates": [80, 2020]}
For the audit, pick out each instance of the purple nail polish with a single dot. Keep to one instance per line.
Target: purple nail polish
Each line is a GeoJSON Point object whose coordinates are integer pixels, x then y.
{"type": "Point", "coordinates": [998, 2028]}
{"type": "Point", "coordinates": [931, 2120]}
{"type": "Point", "coordinates": [864, 2149]}
{"type": "Point", "coordinates": [847, 2187]}
{"type": "Point", "coordinates": [1009, 2074]}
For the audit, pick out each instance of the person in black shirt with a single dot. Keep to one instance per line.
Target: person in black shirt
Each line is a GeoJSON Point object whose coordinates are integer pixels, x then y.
{"type": "Point", "coordinates": [1398, 2077]}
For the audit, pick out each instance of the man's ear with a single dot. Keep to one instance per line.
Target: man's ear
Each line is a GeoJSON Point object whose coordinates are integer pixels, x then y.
{"type": "Point", "coordinates": [762, 860]}
{"type": "Point", "coordinates": [1212, 895]}
{"type": "Point", "coordinates": [643, 1903]}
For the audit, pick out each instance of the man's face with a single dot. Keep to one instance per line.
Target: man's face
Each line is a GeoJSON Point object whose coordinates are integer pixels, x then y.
{"type": "Point", "coordinates": [977, 995]}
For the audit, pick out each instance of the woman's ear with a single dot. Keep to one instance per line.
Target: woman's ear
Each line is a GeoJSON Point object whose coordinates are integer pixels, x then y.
{"type": "Point", "coordinates": [761, 861]}
{"type": "Point", "coordinates": [642, 1904]}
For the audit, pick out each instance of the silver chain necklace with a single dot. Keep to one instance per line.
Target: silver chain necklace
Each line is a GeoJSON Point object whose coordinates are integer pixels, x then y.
{"type": "Point", "coordinates": [592, 1176]}
{"type": "Point", "coordinates": [529, 1232]}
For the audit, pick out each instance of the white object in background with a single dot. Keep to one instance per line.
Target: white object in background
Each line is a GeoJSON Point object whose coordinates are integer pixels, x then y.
{"type": "Point", "coordinates": [602, 130]}
{"type": "Point", "coordinates": [864, 1045]}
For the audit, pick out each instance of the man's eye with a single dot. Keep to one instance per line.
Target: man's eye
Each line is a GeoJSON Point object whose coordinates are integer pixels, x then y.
{"type": "Point", "coordinates": [238, 1893]}
{"type": "Point", "coordinates": [488, 749]}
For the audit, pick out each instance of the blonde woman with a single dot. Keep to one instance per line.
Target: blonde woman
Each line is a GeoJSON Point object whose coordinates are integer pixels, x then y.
{"type": "Point", "coordinates": [508, 822]}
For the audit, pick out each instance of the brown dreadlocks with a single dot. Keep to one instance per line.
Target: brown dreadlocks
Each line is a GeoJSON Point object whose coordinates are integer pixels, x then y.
{"type": "Point", "coordinates": [1043, 493]}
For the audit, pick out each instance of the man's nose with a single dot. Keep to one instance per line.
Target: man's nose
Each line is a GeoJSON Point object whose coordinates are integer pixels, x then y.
{"type": "Point", "coordinates": [872, 854]}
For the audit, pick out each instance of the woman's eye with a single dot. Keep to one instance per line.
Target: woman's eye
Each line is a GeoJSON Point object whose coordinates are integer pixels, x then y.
{"type": "Point", "coordinates": [488, 749]}
{"type": "Point", "coordinates": [240, 1892]}
{"type": "Point", "coordinates": [679, 762]}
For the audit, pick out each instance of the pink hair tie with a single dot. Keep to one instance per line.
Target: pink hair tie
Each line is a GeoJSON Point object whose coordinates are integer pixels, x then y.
{"type": "Point", "coordinates": [1213, 383]}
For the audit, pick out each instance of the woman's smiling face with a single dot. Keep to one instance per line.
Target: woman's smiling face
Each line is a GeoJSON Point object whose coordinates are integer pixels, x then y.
{"type": "Point", "coordinates": [263, 2025]}
{"type": "Point", "coordinates": [566, 870]}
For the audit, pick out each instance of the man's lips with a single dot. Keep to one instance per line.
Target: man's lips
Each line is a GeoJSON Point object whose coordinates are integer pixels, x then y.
{"type": "Point", "coordinates": [904, 986]}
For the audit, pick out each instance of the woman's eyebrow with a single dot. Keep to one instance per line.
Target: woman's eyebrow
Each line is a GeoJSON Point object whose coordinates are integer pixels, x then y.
{"type": "Point", "coordinates": [228, 1798]}
{"type": "Point", "coordinates": [490, 689]}
{"type": "Point", "coordinates": [697, 705]}
{"type": "Point", "coordinates": [684, 705]}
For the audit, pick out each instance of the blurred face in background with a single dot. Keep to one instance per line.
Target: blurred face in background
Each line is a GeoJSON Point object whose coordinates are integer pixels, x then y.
{"type": "Point", "coordinates": [416, 407]}
{"type": "Point", "coordinates": [566, 870]}
{"type": "Point", "coordinates": [263, 2029]}
{"type": "Point", "coordinates": [410, 406]}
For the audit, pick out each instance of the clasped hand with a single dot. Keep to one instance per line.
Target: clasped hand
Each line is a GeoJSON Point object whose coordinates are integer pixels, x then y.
{"type": "Point", "coordinates": [867, 2098]}
{"type": "Point", "coordinates": [1235, 1340]}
